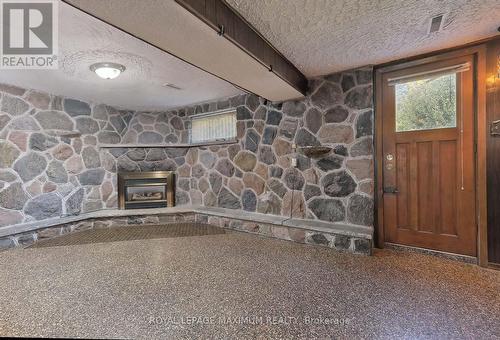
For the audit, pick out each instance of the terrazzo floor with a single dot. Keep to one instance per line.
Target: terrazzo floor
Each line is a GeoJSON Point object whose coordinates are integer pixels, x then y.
{"type": "Point", "coordinates": [237, 285]}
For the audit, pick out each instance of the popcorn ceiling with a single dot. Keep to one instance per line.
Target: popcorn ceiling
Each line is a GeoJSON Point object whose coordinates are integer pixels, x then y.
{"type": "Point", "coordinates": [325, 36]}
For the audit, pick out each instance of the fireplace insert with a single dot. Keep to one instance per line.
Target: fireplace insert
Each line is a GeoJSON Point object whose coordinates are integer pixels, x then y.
{"type": "Point", "coordinates": [151, 189]}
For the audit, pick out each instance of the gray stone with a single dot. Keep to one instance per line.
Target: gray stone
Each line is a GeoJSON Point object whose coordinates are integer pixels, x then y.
{"type": "Point", "coordinates": [252, 140]}
{"type": "Point", "coordinates": [327, 209]}
{"type": "Point", "coordinates": [288, 127]}
{"type": "Point", "coordinates": [30, 166]}
{"type": "Point", "coordinates": [117, 152]}
{"type": "Point", "coordinates": [198, 171]}
{"type": "Point", "coordinates": [44, 206]}
{"type": "Point", "coordinates": [215, 182]}
{"type": "Point", "coordinates": [7, 176]}
{"type": "Point", "coordinates": [359, 98]}
{"type": "Point", "coordinates": [245, 160]}
{"type": "Point", "coordinates": [4, 120]}
{"type": "Point", "coordinates": [76, 108]}
{"type": "Point", "coordinates": [207, 159]}
{"type": "Point", "coordinates": [305, 138]}
{"type": "Point", "coordinates": [54, 120]}
{"type": "Point", "coordinates": [100, 112]}
{"type": "Point", "coordinates": [177, 123]}
{"type": "Point", "coordinates": [56, 172]}
{"type": "Point", "coordinates": [360, 210]}
{"type": "Point", "coordinates": [181, 198]}
{"type": "Point", "coordinates": [269, 204]}
{"type": "Point", "coordinates": [41, 142]}
{"type": "Point", "coordinates": [338, 184]}
{"type": "Point", "coordinates": [225, 167]}
{"type": "Point", "coordinates": [318, 238]}
{"type": "Point", "coordinates": [91, 158]}
{"type": "Point", "coordinates": [252, 102]}
{"type": "Point", "coordinates": [118, 123]}
{"type": "Point", "coordinates": [14, 197]}
{"type": "Point", "coordinates": [313, 120]}
{"type": "Point", "coordinates": [342, 242]}
{"type": "Point", "coordinates": [87, 125]}
{"type": "Point", "coordinates": [125, 165]}
{"type": "Point", "coordinates": [364, 76]}
{"type": "Point", "coordinates": [156, 155]}
{"type": "Point", "coordinates": [269, 134]}
{"type": "Point", "coordinates": [275, 171]}
{"type": "Point", "coordinates": [363, 147]}
{"type": "Point", "coordinates": [108, 137]}
{"type": "Point", "coordinates": [340, 150]}
{"type": "Point", "coordinates": [266, 155]}
{"type": "Point", "coordinates": [347, 82]}
{"type": "Point", "coordinates": [294, 108]}
{"type": "Point", "coordinates": [24, 123]}
{"type": "Point", "coordinates": [303, 162]}
{"type": "Point", "coordinates": [8, 154]}
{"type": "Point", "coordinates": [150, 137]}
{"type": "Point", "coordinates": [260, 113]}
{"type": "Point", "coordinates": [331, 162]}
{"type": "Point", "coordinates": [311, 191]}
{"type": "Point", "coordinates": [176, 152]}
{"type": "Point", "coordinates": [293, 179]}
{"type": "Point", "coordinates": [337, 114]}
{"type": "Point", "coordinates": [91, 177]}
{"type": "Point", "coordinates": [242, 113]}
{"type": "Point", "coordinates": [209, 199]}
{"type": "Point", "coordinates": [362, 246]}
{"type": "Point", "coordinates": [5, 242]}
{"type": "Point", "coordinates": [364, 125]}
{"type": "Point", "coordinates": [249, 200]}
{"type": "Point", "coordinates": [14, 106]}
{"type": "Point", "coordinates": [274, 117]}
{"type": "Point", "coordinates": [276, 186]}
{"type": "Point", "coordinates": [171, 138]}
{"type": "Point", "coordinates": [227, 200]}
{"type": "Point", "coordinates": [138, 154]}
{"type": "Point", "coordinates": [334, 77]}
{"type": "Point", "coordinates": [327, 95]}
{"type": "Point", "coordinates": [237, 100]}
{"type": "Point", "coordinates": [184, 184]}
{"type": "Point", "coordinates": [74, 202]}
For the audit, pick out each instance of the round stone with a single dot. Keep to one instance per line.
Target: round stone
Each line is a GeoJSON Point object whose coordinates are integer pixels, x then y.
{"type": "Point", "coordinates": [30, 166]}
{"type": "Point", "coordinates": [338, 184]}
{"type": "Point", "coordinates": [327, 209]}
{"type": "Point", "coordinates": [245, 160]}
{"type": "Point", "coordinates": [293, 179]}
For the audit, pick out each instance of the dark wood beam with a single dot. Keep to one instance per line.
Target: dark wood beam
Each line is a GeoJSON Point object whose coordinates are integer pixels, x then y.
{"type": "Point", "coordinates": [229, 24]}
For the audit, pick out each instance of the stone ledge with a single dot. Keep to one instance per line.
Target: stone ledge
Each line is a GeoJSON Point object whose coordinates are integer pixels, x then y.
{"type": "Point", "coordinates": [342, 237]}
{"type": "Point", "coordinates": [311, 225]}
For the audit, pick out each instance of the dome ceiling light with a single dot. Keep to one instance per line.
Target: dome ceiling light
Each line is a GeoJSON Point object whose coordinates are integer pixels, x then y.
{"type": "Point", "coordinates": [107, 70]}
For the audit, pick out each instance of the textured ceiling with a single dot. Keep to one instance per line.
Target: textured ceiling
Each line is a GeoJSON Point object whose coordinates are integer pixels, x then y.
{"type": "Point", "coordinates": [84, 40]}
{"type": "Point", "coordinates": [325, 36]}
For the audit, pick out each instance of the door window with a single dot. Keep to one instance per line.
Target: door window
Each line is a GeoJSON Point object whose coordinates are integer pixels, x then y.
{"type": "Point", "coordinates": [427, 104]}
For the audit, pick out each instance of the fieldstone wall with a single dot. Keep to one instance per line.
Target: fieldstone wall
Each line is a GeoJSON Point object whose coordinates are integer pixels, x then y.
{"type": "Point", "coordinates": [44, 175]}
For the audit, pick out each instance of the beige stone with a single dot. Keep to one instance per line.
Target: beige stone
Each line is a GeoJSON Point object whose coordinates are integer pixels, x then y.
{"type": "Point", "coordinates": [361, 168]}
{"type": "Point", "coordinates": [20, 139]}
{"type": "Point", "coordinates": [298, 210]}
{"type": "Point", "coordinates": [366, 187]}
{"type": "Point", "coordinates": [262, 170]}
{"type": "Point", "coordinates": [236, 185]}
{"type": "Point", "coordinates": [74, 165]}
{"type": "Point", "coordinates": [192, 156]}
{"type": "Point", "coordinates": [254, 182]}
{"type": "Point", "coordinates": [62, 152]}
{"type": "Point", "coordinates": [334, 133]}
{"type": "Point", "coordinates": [282, 147]}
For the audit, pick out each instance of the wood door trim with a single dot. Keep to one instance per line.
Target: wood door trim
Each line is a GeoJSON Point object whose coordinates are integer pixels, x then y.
{"type": "Point", "coordinates": [479, 53]}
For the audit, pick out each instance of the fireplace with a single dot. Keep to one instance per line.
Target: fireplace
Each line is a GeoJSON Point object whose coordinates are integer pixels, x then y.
{"type": "Point", "coordinates": [151, 189]}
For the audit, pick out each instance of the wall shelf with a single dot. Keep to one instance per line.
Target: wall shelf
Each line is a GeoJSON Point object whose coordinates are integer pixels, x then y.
{"type": "Point", "coordinates": [166, 146]}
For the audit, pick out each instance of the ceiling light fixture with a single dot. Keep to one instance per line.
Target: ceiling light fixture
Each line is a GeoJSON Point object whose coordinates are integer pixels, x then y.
{"type": "Point", "coordinates": [107, 70]}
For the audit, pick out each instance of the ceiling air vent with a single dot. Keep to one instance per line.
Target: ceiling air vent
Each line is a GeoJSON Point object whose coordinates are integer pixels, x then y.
{"type": "Point", "coordinates": [436, 24]}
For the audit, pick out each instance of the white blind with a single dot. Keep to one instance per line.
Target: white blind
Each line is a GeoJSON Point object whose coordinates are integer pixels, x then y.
{"type": "Point", "coordinates": [216, 126]}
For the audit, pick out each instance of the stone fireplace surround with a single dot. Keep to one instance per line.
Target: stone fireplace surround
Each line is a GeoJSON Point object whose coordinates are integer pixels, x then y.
{"type": "Point", "coordinates": [52, 163]}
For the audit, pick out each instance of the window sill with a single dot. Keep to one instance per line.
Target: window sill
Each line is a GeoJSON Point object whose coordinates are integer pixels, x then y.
{"type": "Point", "coordinates": [177, 145]}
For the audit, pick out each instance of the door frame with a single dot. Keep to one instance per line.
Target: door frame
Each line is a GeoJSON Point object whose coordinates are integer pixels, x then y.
{"type": "Point", "coordinates": [480, 133]}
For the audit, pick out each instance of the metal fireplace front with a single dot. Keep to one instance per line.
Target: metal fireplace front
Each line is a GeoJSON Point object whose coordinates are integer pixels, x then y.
{"type": "Point", "coordinates": [149, 189]}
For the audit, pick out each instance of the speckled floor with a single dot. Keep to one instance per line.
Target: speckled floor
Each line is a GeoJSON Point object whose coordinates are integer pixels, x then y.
{"type": "Point", "coordinates": [236, 285]}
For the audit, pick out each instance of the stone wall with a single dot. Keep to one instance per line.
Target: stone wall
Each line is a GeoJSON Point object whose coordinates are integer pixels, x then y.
{"type": "Point", "coordinates": [42, 175]}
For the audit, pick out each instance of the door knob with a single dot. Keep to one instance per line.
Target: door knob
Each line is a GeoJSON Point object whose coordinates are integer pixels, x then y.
{"type": "Point", "coordinates": [390, 190]}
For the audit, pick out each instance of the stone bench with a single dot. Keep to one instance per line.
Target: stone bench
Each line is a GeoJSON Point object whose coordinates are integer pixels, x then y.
{"type": "Point", "coordinates": [343, 237]}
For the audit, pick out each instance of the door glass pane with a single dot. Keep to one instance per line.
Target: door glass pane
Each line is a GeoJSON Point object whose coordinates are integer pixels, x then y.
{"type": "Point", "coordinates": [427, 104]}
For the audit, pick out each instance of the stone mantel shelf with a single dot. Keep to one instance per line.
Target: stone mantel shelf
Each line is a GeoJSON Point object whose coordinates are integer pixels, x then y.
{"type": "Point", "coordinates": [156, 146]}
{"type": "Point", "coordinates": [313, 225]}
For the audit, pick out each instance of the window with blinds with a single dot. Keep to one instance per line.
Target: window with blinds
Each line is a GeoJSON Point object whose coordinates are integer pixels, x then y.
{"type": "Point", "coordinates": [216, 126]}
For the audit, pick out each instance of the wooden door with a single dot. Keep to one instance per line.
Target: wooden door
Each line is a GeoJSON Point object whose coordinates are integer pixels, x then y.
{"type": "Point", "coordinates": [428, 156]}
